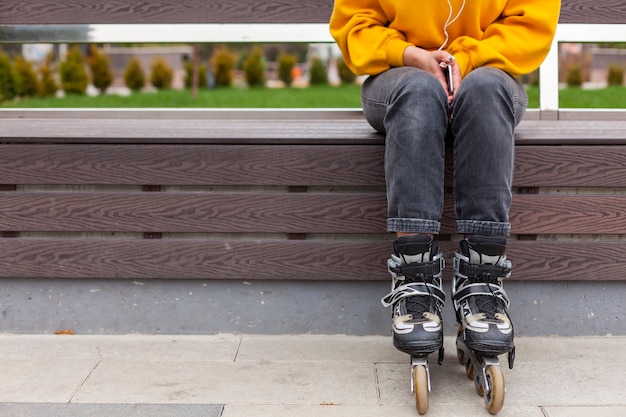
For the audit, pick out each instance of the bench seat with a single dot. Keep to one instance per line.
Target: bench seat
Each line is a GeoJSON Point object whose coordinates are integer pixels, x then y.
{"type": "Point", "coordinates": [284, 195]}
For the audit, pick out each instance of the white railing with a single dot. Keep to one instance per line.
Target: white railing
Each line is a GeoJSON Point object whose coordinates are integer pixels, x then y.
{"type": "Point", "coordinates": [549, 70]}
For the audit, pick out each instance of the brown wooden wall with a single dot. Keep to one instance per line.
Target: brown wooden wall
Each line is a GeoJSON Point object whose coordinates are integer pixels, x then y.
{"type": "Point", "coordinates": [231, 11]}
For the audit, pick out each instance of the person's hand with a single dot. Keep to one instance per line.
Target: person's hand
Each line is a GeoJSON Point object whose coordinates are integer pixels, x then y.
{"type": "Point", "coordinates": [436, 63]}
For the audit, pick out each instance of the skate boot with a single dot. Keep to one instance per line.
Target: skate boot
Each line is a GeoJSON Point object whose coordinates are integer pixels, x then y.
{"type": "Point", "coordinates": [480, 303]}
{"type": "Point", "coordinates": [417, 298]}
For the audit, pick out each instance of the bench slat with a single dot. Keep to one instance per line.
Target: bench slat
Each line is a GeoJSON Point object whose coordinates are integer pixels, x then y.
{"type": "Point", "coordinates": [230, 11]}
{"type": "Point", "coordinates": [275, 131]}
{"type": "Point", "coordinates": [570, 166]}
{"type": "Point", "coordinates": [193, 212]}
{"type": "Point", "coordinates": [280, 260]}
{"type": "Point", "coordinates": [276, 165]}
{"type": "Point", "coordinates": [263, 212]}
{"type": "Point", "coordinates": [213, 165]}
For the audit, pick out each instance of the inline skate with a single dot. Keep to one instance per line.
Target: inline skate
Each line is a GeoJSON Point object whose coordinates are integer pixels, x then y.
{"type": "Point", "coordinates": [417, 298]}
{"type": "Point", "coordinates": [480, 303]}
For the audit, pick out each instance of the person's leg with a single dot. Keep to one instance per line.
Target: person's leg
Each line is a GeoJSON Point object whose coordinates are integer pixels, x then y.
{"type": "Point", "coordinates": [488, 107]}
{"type": "Point", "coordinates": [410, 107]}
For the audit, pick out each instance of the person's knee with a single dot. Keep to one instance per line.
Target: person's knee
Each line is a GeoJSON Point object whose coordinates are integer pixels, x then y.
{"type": "Point", "coordinates": [415, 82]}
{"type": "Point", "coordinates": [485, 81]}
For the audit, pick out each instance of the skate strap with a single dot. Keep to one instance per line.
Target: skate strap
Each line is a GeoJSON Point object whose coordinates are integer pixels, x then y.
{"type": "Point", "coordinates": [482, 270]}
{"type": "Point", "coordinates": [412, 289]}
{"type": "Point", "coordinates": [427, 269]}
{"type": "Point", "coordinates": [481, 288]}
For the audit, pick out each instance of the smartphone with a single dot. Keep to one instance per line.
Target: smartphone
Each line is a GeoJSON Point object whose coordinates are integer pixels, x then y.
{"type": "Point", "coordinates": [450, 80]}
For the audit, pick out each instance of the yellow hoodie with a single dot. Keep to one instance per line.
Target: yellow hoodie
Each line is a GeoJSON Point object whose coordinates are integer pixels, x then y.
{"type": "Point", "coordinates": [513, 35]}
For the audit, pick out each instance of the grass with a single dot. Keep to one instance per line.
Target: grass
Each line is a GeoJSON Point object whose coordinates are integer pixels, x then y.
{"type": "Point", "coordinates": [312, 97]}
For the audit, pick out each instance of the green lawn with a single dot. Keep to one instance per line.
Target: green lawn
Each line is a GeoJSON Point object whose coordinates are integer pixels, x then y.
{"type": "Point", "coordinates": [312, 97]}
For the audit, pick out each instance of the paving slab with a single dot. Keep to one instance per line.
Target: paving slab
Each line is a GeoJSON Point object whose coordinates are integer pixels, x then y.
{"type": "Point", "coordinates": [304, 375]}
{"type": "Point", "coordinates": [617, 411]}
{"type": "Point", "coordinates": [127, 347]}
{"type": "Point", "coordinates": [227, 383]}
{"type": "Point", "coordinates": [338, 348]}
{"type": "Point", "coordinates": [42, 380]}
{"type": "Point", "coordinates": [331, 410]}
{"type": "Point", "coordinates": [109, 410]}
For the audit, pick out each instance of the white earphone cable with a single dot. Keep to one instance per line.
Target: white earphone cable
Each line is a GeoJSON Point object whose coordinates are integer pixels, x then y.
{"type": "Point", "coordinates": [450, 21]}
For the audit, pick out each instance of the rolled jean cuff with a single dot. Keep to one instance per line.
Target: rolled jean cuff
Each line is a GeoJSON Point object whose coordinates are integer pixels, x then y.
{"type": "Point", "coordinates": [413, 225]}
{"type": "Point", "coordinates": [479, 227]}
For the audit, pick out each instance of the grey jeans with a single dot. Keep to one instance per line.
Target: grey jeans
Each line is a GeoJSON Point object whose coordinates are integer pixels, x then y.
{"type": "Point", "coordinates": [410, 107]}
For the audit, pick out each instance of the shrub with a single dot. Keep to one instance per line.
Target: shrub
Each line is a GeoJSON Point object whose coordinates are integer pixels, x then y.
{"type": "Point", "coordinates": [223, 64]}
{"type": "Point", "coordinates": [73, 74]}
{"type": "Point", "coordinates": [202, 79]}
{"type": "Point", "coordinates": [254, 68]}
{"type": "Point", "coordinates": [345, 74]}
{"type": "Point", "coordinates": [100, 66]}
{"type": "Point", "coordinates": [616, 75]}
{"type": "Point", "coordinates": [7, 78]}
{"type": "Point", "coordinates": [575, 76]}
{"type": "Point", "coordinates": [134, 77]}
{"type": "Point", "coordinates": [162, 74]}
{"type": "Point", "coordinates": [47, 84]}
{"type": "Point", "coordinates": [318, 72]}
{"type": "Point", "coordinates": [286, 62]}
{"type": "Point", "coordinates": [25, 77]}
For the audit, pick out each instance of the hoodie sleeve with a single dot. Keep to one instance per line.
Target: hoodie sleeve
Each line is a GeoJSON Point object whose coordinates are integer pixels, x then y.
{"type": "Point", "coordinates": [517, 42]}
{"type": "Point", "coordinates": [367, 45]}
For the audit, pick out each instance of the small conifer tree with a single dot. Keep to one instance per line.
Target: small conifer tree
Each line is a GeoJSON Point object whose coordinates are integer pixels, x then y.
{"type": "Point", "coordinates": [616, 75]}
{"type": "Point", "coordinates": [7, 78]}
{"type": "Point", "coordinates": [25, 77]}
{"type": "Point", "coordinates": [101, 73]}
{"type": "Point", "coordinates": [223, 65]}
{"type": "Point", "coordinates": [74, 77]}
{"type": "Point", "coordinates": [254, 68]}
{"type": "Point", "coordinates": [345, 73]}
{"type": "Point", "coordinates": [47, 84]}
{"type": "Point", "coordinates": [134, 77]}
{"type": "Point", "coordinates": [318, 72]}
{"type": "Point", "coordinates": [286, 62]}
{"type": "Point", "coordinates": [161, 74]}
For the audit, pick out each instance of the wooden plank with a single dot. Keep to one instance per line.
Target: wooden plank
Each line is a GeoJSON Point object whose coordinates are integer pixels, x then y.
{"type": "Point", "coordinates": [263, 212]}
{"type": "Point", "coordinates": [572, 132]}
{"type": "Point", "coordinates": [267, 131]}
{"type": "Point", "coordinates": [276, 165]}
{"type": "Point", "coordinates": [189, 259]}
{"type": "Point", "coordinates": [218, 212]}
{"type": "Point", "coordinates": [275, 131]}
{"type": "Point", "coordinates": [537, 214]}
{"type": "Point", "coordinates": [590, 11]}
{"type": "Point", "coordinates": [230, 11]}
{"type": "Point", "coordinates": [216, 165]}
{"type": "Point", "coordinates": [164, 11]}
{"type": "Point", "coordinates": [565, 214]}
{"type": "Point", "coordinates": [570, 166]}
{"type": "Point", "coordinates": [281, 260]}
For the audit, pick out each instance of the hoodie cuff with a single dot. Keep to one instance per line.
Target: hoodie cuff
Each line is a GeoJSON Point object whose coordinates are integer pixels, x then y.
{"type": "Point", "coordinates": [395, 52]}
{"type": "Point", "coordinates": [464, 62]}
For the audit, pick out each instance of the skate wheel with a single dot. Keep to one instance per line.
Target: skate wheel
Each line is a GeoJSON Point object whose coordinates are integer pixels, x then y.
{"type": "Point", "coordinates": [480, 390]}
{"type": "Point", "coordinates": [494, 393]}
{"type": "Point", "coordinates": [461, 356]}
{"type": "Point", "coordinates": [420, 380]}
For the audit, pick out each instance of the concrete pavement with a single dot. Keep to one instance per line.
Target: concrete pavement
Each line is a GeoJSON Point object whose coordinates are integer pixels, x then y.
{"type": "Point", "coordinates": [231, 375]}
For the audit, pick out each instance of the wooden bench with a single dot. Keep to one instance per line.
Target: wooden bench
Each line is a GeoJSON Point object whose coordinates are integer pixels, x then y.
{"type": "Point", "coordinates": [273, 194]}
